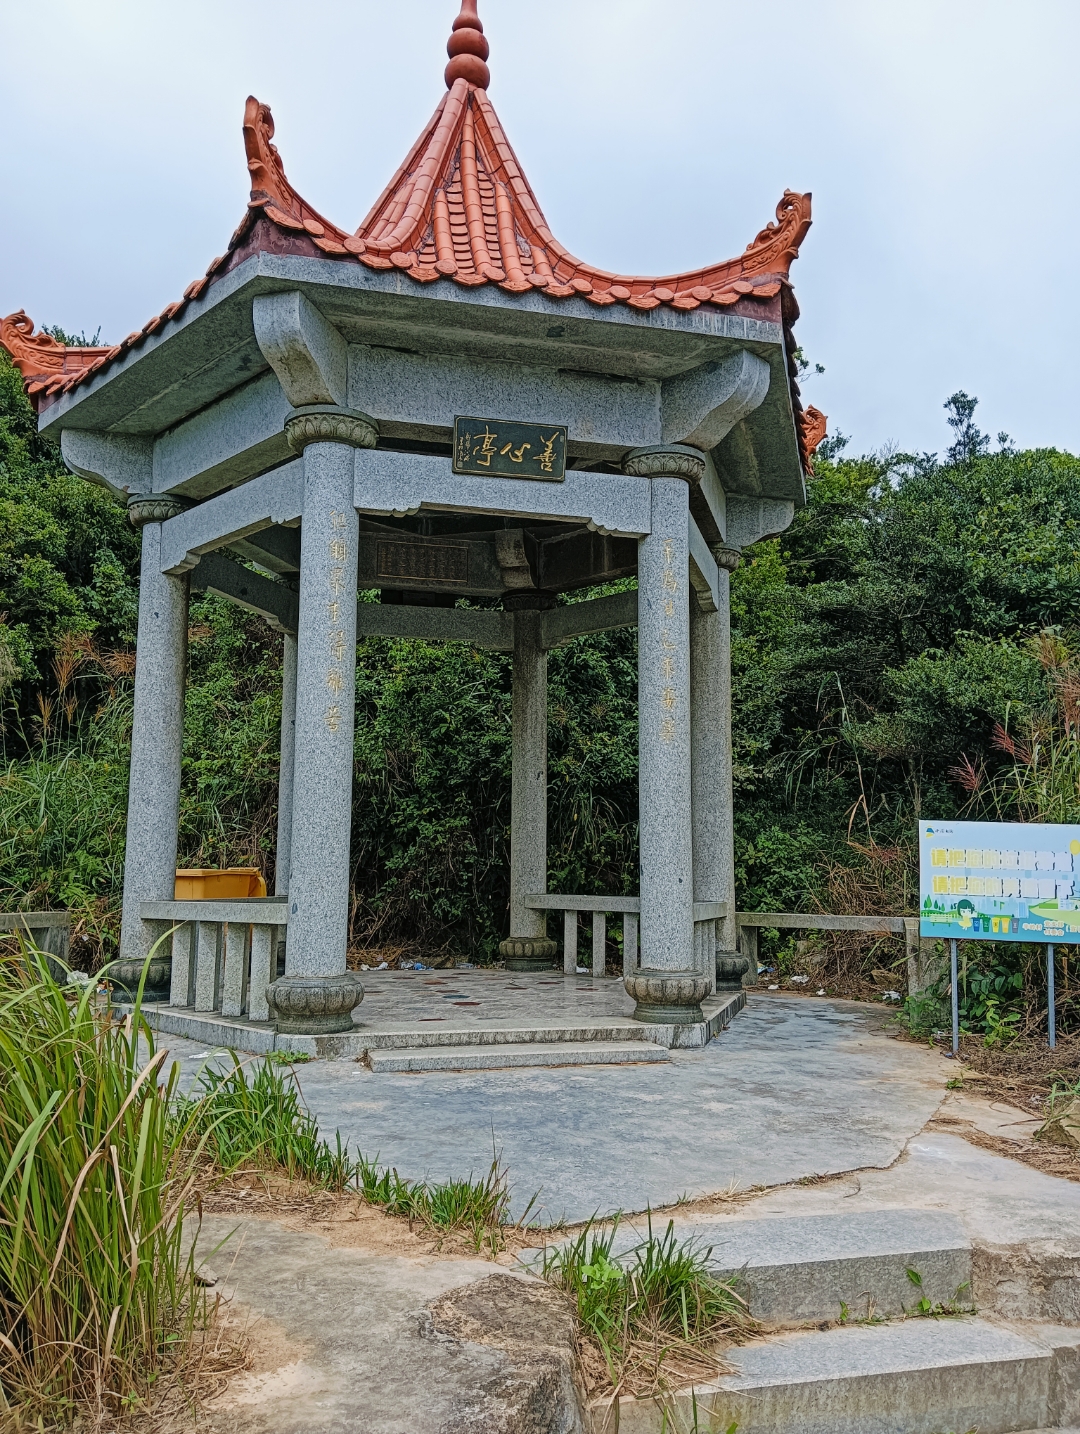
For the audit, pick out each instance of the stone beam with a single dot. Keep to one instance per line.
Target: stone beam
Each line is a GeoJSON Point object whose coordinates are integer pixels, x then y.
{"type": "Point", "coordinates": [704, 572]}
{"type": "Point", "coordinates": [562, 624]}
{"type": "Point", "coordinates": [118, 462]}
{"type": "Point", "coordinates": [701, 407]}
{"type": "Point", "coordinates": [399, 484]}
{"type": "Point", "coordinates": [418, 396]}
{"type": "Point", "coordinates": [446, 564]}
{"type": "Point", "coordinates": [308, 354]}
{"type": "Point", "coordinates": [750, 520]}
{"type": "Point", "coordinates": [240, 436]}
{"type": "Point", "coordinates": [219, 575]}
{"type": "Point", "coordinates": [276, 497]}
{"type": "Point", "coordinates": [491, 630]}
{"type": "Point", "coordinates": [583, 559]}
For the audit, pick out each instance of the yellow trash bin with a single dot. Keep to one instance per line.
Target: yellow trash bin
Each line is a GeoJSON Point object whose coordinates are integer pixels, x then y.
{"type": "Point", "coordinates": [226, 884]}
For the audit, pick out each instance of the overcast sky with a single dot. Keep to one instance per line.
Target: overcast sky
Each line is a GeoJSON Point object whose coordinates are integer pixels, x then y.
{"type": "Point", "coordinates": [939, 138]}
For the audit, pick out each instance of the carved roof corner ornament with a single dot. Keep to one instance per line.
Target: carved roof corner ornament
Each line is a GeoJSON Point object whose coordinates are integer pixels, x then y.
{"type": "Point", "coordinates": [44, 362]}
{"type": "Point", "coordinates": [813, 426]}
{"type": "Point", "coordinates": [461, 208]}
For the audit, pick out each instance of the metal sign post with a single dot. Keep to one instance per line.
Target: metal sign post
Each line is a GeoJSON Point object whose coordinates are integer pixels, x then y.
{"type": "Point", "coordinates": [955, 999]}
{"type": "Point", "coordinates": [1050, 1015]}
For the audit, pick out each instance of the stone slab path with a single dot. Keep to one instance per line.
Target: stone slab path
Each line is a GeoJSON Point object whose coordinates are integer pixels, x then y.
{"type": "Point", "coordinates": [794, 1088]}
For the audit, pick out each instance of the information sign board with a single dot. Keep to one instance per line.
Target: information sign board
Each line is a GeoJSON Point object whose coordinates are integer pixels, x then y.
{"type": "Point", "coordinates": [999, 881]}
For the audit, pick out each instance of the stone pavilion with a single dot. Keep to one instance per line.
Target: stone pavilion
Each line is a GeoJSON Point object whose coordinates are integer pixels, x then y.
{"type": "Point", "coordinates": [442, 405]}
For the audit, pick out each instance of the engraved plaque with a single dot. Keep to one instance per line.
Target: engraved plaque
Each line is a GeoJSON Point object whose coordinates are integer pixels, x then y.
{"type": "Point", "coordinates": [497, 448]}
{"type": "Point", "coordinates": [422, 562]}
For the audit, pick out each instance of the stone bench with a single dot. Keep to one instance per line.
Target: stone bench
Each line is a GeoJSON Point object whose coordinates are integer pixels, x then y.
{"type": "Point", "coordinates": [224, 953]}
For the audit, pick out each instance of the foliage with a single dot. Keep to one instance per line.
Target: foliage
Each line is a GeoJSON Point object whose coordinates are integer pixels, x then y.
{"type": "Point", "coordinates": [96, 1286]}
{"type": "Point", "coordinates": [658, 1301]}
{"type": "Point", "coordinates": [903, 649]}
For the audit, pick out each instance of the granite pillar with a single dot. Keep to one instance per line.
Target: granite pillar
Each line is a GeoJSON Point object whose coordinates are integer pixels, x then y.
{"type": "Point", "coordinates": [528, 947]}
{"type": "Point", "coordinates": [316, 994]}
{"type": "Point", "coordinates": [730, 964]}
{"type": "Point", "coordinates": [667, 987]}
{"type": "Point", "coordinates": [157, 732]}
{"type": "Point", "coordinates": [285, 767]}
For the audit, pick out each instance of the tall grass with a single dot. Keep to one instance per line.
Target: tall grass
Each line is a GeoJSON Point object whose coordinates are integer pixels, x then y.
{"type": "Point", "coordinates": [96, 1290]}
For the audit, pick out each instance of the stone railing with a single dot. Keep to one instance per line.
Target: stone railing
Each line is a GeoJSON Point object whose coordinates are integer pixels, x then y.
{"type": "Point", "coordinates": [224, 953]}
{"type": "Point", "coordinates": [920, 953]}
{"type": "Point", "coordinates": [629, 907]}
{"type": "Point", "coordinates": [49, 930]}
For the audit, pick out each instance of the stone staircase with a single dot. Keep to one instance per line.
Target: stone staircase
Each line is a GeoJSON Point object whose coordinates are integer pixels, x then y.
{"type": "Point", "coordinates": [845, 1351]}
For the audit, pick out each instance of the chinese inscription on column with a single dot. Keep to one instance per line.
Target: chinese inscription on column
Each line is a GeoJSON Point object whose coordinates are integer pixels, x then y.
{"type": "Point", "coordinates": [669, 697]}
{"type": "Point", "coordinates": [337, 595]}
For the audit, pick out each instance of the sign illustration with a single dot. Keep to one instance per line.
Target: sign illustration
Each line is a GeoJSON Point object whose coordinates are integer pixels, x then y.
{"type": "Point", "coordinates": [999, 881]}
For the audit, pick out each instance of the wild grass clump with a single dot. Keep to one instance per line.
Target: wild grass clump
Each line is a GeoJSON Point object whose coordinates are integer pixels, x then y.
{"type": "Point", "coordinates": [655, 1315]}
{"type": "Point", "coordinates": [262, 1121]}
{"type": "Point", "coordinates": [97, 1293]}
{"type": "Point", "coordinates": [478, 1208]}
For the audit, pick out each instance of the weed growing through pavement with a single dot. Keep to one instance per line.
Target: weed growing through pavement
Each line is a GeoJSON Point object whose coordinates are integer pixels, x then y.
{"type": "Point", "coordinates": [654, 1313]}
{"type": "Point", "coordinates": [261, 1121]}
{"type": "Point", "coordinates": [926, 1308]}
{"type": "Point", "coordinates": [870, 1317]}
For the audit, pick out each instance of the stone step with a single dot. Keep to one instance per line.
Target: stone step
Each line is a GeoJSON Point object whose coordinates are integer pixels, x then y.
{"type": "Point", "coordinates": [503, 1055]}
{"type": "Point", "coordinates": [916, 1376]}
{"type": "Point", "coordinates": [810, 1267]}
{"type": "Point", "coordinates": [411, 1038]}
{"type": "Point", "coordinates": [798, 1269]}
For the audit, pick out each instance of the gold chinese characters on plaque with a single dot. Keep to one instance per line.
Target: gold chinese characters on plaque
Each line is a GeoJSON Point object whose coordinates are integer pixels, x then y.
{"type": "Point", "coordinates": [497, 448]}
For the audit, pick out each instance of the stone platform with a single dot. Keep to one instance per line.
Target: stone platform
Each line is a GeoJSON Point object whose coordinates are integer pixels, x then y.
{"type": "Point", "coordinates": [474, 1015]}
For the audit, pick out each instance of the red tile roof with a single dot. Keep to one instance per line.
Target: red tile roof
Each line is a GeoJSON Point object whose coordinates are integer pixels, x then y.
{"type": "Point", "coordinates": [458, 208]}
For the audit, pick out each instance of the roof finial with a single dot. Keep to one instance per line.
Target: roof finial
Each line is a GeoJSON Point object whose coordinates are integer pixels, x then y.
{"type": "Point", "coordinates": [467, 49]}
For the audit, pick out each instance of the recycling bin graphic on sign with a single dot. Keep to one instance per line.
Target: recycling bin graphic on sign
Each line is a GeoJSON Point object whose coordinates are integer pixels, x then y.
{"type": "Point", "coordinates": [999, 881]}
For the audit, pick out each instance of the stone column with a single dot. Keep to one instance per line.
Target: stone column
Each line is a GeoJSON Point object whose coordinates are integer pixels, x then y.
{"type": "Point", "coordinates": [710, 703]}
{"type": "Point", "coordinates": [528, 947]}
{"type": "Point", "coordinates": [667, 988]}
{"type": "Point", "coordinates": [157, 734]}
{"type": "Point", "coordinates": [285, 767]}
{"type": "Point", "coordinates": [317, 995]}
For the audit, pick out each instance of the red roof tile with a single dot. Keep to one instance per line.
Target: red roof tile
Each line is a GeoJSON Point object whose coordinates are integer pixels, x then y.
{"type": "Point", "coordinates": [459, 207]}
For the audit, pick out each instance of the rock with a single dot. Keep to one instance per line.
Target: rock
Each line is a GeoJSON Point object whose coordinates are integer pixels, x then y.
{"type": "Point", "coordinates": [1063, 1126]}
{"type": "Point", "coordinates": [533, 1325]}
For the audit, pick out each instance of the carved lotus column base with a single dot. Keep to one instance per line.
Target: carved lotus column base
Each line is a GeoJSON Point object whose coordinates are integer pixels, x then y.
{"type": "Point", "coordinates": [668, 998]}
{"type": "Point", "coordinates": [124, 975]}
{"type": "Point", "coordinates": [314, 1005]}
{"type": "Point", "coordinates": [730, 970]}
{"type": "Point", "coordinates": [528, 953]}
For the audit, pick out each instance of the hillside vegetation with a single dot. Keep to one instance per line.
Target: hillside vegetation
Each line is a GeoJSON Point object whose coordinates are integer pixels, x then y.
{"type": "Point", "coordinates": [904, 649]}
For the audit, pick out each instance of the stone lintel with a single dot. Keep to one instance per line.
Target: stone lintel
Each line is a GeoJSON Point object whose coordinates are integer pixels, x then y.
{"type": "Point", "coordinates": [237, 438]}
{"type": "Point", "coordinates": [399, 484]}
{"type": "Point", "coordinates": [275, 497]}
{"type": "Point", "coordinates": [493, 631]}
{"type": "Point", "coordinates": [563, 624]}
{"type": "Point", "coordinates": [704, 572]}
{"type": "Point", "coordinates": [279, 605]}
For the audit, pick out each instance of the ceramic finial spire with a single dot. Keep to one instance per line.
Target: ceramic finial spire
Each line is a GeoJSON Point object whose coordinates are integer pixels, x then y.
{"type": "Point", "coordinates": [467, 49]}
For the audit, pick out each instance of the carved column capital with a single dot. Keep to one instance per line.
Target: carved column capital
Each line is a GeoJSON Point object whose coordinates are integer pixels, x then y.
{"type": "Point", "coordinates": [143, 508]}
{"type": "Point", "coordinates": [668, 461]}
{"type": "Point", "coordinates": [726, 558]}
{"type": "Point", "coordinates": [325, 423]}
